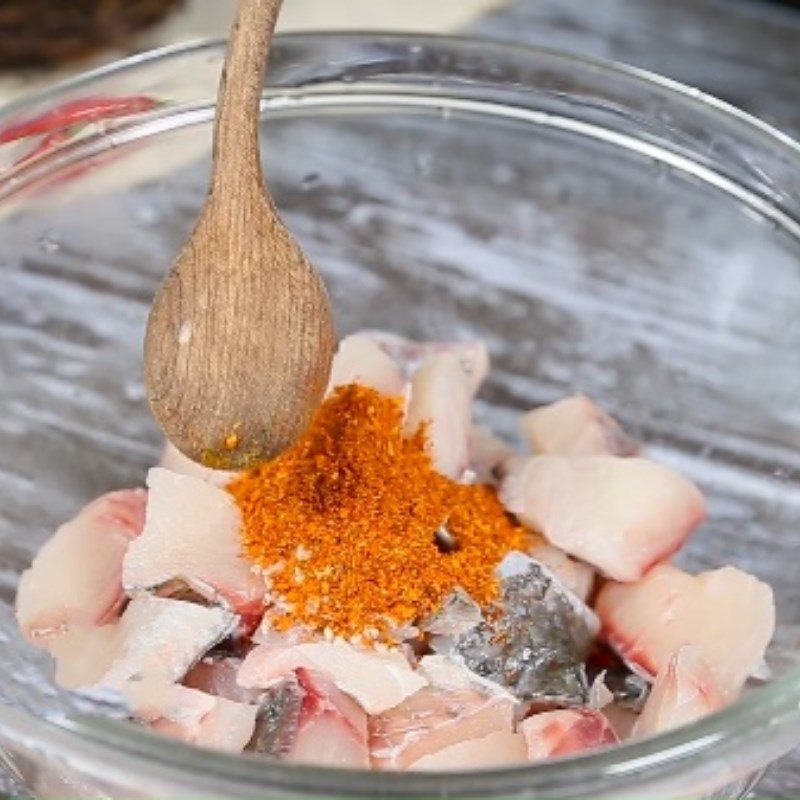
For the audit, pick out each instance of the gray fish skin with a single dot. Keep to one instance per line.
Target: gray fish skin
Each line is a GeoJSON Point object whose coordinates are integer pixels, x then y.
{"type": "Point", "coordinates": [534, 642]}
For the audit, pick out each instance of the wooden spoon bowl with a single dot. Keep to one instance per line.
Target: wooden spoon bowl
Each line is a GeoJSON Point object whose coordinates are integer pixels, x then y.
{"type": "Point", "coordinates": [240, 337]}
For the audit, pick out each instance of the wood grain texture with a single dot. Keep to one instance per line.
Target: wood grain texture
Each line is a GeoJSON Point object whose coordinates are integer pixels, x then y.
{"type": "Point", "coordinates": [240, 336]}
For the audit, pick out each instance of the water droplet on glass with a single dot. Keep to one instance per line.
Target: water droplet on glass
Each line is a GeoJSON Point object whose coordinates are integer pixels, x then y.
{"type": "Point", "coordinates": [425, 164]}
{"type": "Point", "coordinates": [503, 174]}
{"type": "Point", "coordinates": [147, 216]}
{"type": "Point", "coordinates": [310, 181]}
{"type": "Point", "coordinates": [49, 243]}
{"type": "Point", "coordinates": [133, 391]}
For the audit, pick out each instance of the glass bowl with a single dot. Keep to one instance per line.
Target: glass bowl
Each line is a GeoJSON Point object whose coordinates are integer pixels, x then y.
{"type": "Point", "coordinates": [603, 229]}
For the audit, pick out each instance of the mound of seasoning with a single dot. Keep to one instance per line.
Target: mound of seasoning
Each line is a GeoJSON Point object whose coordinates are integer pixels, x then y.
{"type": "Point", "coordinates": [358, 533]}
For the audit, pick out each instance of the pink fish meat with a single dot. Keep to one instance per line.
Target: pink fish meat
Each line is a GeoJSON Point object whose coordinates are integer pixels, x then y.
{"type": "Point", "coordinates": [360, 360]}
{"type": "Point", "coordinates": [76, 577]}
{"type": "Point", "coordinates": [684, 692]}
{"type": "Point", "coordinates": [575, 426]}
{"type": "Point", "coordinates": [621, 515]}
{"type": "Point", "coordinates": [728, 615]}
{"type": "Point", "coordinates": [561, 733]}
{"type": "Point", "coordinates": [192, 532]}
{"type": "Point", "coordinates": [434, 719]}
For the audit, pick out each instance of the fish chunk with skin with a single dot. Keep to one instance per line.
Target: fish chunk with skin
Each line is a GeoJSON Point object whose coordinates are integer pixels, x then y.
{"type": "Point", "coordinates": [332, 730]}
{"type": "Point", "coordinates": [473, 356]}
{"type": "Point", "coordinates": [682, 693]}
{"type": "Point", "coordinates": [434, 719]}
{"type": "Point", "coordinates": [621, 515]}
{"type": "Point", "coordinates": [498, 749]}
{"type": "Point", "coordinates": [554, 734]}
{"type": "Point", "coordinates": [76, 577]}
{"type": "Point", "coordinates": [360, 360]}
{"type": "Point", "coordinates": [191, 532]}
{"type": "Point", "coordinates": [441, 401]}
{"type": "Point", "coordinates": [575, 426]}
{"type": "Point", "coordinates": [727, 614]}
{"type": "Point", "coordinates": [535, 641]}
{"type": "Point", "coordinates": [278, 718]}
{"type": "Point", "coordinates": [377, 680]}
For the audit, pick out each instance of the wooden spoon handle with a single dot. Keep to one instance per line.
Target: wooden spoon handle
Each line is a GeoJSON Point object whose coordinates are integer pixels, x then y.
{"type": "Point", "coordinates": [237, 163]}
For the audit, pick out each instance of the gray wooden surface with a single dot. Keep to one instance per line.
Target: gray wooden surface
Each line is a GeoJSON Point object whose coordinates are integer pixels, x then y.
{"type": "Point", "coordinates": [744, 51]}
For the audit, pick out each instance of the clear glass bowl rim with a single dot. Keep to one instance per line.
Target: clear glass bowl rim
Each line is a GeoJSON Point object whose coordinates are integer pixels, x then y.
{"type": "Point", "coordinates": [773, 711]}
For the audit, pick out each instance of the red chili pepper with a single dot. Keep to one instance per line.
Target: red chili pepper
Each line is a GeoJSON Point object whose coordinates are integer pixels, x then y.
{"type": "Point", "coordinates": [87, 109]}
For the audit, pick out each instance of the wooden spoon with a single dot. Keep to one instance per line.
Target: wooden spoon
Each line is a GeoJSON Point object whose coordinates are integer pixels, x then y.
{"type": "Point", "coordinates": [240, 337]}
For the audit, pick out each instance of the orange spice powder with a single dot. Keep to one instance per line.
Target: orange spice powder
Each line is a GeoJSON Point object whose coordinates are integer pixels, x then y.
{"type": "Point", "coordinates": [344, 523]}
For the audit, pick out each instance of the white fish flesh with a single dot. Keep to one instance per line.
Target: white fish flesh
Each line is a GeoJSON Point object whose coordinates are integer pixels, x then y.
{"type": "Point", "coordinates": [192, 532]}
{"type": "Point", "coordinates": [473, 356]}
{"type": "Point", "coordinates": [621, 515]}
{"type": "Point", "coordinates": [575, 426]}
{"type": "Point", "coordinates": [682, 693]}
{"type": "Point", "coordinates": [554, 734]}
{"type": "Point", "coordinates": [727, 614]}
{"type": "Point", "coordinates": [76, 577]}
{"type": "Point", "coordinates": [193, 716]}
{"type": "Point", "coordinates": [441, 400]}
{"type": "Point", "coordinates": [377, 680]}
{"type": "Point", "coordinates": [360, 360]}
{"type": "Point", "coordinates": [487, 454]}
{"type": "Point", "coordinates": [434, 719]}
{"type": "Point", "coordinates": [498, 749]}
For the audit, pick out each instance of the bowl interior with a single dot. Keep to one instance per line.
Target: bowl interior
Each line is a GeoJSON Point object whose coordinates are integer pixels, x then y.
{"type": "Point", "coordinates": [585, 265]}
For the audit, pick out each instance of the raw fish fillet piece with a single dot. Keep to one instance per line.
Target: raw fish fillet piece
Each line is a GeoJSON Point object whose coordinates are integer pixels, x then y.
{"type": "Point", "coordinates": [441, 400]}
{"type": "Point", "coordinates": [377, 680]}
{"type": "Point", "coordinates": [434, 719]}
{"type": "Point", "coordinates": [361, 360]}
{"type": "Point", "coordinates": [76, 577]}
{"type": "Point", "coordinates": [682, 693]}
{"type": "Point", "coordinates": [192, 532]}
{"type": "Point", "coordinates": [498, 749]}
{"type": "Point", "coordinates": [83, 653]}
{"type": "Point", "coordinates": [621, 515]}
{"type": "Point", "coordinates": [561, 733]}
{"type": "Point", "coordinates": [536, 640]}
{"type": "Point", "coordinates": [728, 615]}
{"type": "Point", "coordinates": [575, 575]}
{"type": "Point", "coordinates": [154, 639]}
{"type": "Point", "coordinates": [487, 454]}
{"type": "Point", "coordinates": [175, 461]}
{"type": "Point", "coordinates": [473, 356]}
{"type": "Point", "coordinates": [193, 716]}
{"type": "Point", "coordinates": [217, 675]}
{"type": "Point", "coordinates": [163, 639]}
{"type": "Point", "coordinates": [575, 426]}
{"type": "Point", "coordinates": [278, 718]}
{"type": "Point", "coordinates": [333, 728]}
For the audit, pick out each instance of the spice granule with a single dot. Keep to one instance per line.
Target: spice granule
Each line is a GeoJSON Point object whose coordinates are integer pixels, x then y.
{"type": "Point", "coordinates": [345, 523]}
